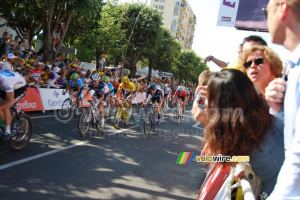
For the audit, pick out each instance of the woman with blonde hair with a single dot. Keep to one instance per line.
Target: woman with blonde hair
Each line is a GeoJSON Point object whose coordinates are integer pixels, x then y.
{"type": "Point", "coordinates": [262, 65]}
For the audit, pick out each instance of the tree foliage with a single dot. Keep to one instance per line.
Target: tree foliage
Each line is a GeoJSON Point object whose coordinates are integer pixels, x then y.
{"type": "Point", "coordinates": [146, 22]}
{"type": "Point", "coordinates": [188, 67]}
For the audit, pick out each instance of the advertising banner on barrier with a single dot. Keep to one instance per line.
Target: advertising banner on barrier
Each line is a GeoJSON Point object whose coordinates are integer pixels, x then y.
{"type": "Point", "coordinates": [32, 101]}
{"type": "Point", "coordinates": [52, 98]}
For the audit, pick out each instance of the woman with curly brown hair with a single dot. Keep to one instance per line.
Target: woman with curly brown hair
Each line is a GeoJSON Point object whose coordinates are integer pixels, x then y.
{"type": "Point", "coordinates": [262, 65]}
{"type": "Point", "coordinates": [240, 125]}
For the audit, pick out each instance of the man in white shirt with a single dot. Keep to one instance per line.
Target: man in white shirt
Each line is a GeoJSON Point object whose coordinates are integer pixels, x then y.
{"type": "Point", "coordinates": [7, 65]}
{"type": "Point", "coordinates": [284, 98]}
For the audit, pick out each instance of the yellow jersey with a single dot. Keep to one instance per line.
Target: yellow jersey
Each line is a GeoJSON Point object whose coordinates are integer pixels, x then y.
{"type": "Point", "coordinates": [129, 88]}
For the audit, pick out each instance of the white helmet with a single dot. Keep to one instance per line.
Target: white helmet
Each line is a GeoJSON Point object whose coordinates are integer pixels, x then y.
{"type": "Point", "coordinates": [180, 88]}
{"type": "Point", "coordinates": [158, 86]}
{"type": "Point", "coordinates": [96, 77]}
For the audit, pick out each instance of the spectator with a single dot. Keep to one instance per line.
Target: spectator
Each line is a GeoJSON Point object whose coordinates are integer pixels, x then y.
{"type": "Point", "coordinates": [60, 29]}
{"type": "Point", "coordinates": [37, 73]}
{"type": "Point", "coordinates": [102, 62]}
{"type": "Point", "coordinates": [284, 99]}
{"type": "Point", "coordinates": [8, 64]}
{"type": "Point", "coordinates": [262, 65]}
{"type": "Point", "coordinates": [200, 113]}
{"type": "Point", "coordinates": [240, 124]}
{"type": "Point", "coordinates": [3, 42]}
{"type": "Point", "coordinates": [118, 69]}
{"type": "Point", "coordinates": [22, 46]}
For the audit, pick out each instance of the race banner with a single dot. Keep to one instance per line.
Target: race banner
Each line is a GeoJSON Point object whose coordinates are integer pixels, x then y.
{"type": "Point", "coordinates": [227, 13]}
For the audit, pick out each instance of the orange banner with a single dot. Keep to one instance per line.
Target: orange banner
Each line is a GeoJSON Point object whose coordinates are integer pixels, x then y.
{"type": "Point", "coordinates": [32, 101]}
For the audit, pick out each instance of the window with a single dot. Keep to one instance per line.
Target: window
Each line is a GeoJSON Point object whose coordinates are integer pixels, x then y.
{"type": "Point", "coordinates": [156, 0]}
{"type": "Point", "coordinates": [173, 27]}
{"type": "Point", "coordinates": [162, 0]}
{"type": "Point", "coordinates": [176, 11]}
{"type": "Point", "coordinates": [155, 6]}
{"type": "Point", "coordinates": [177, 4]}
{"type": "Point", "coordinates": [162, 7]}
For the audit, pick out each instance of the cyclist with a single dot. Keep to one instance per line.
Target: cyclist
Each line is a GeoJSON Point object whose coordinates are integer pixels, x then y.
{"type": "Point", "coordinates": [75, 84]}
{"type": "Point", "coordinates": [111, 91]}
{"type": "Point", "coordinates": [100, 95]}
{"type": "Point", "coordinates": [128, 90]}
{"type": "Point", "coordinates": [156, 97]}
{"type": "Point", "coordinates": [180, 94]}
{"type": "Point", "coordinates": [12, 89]}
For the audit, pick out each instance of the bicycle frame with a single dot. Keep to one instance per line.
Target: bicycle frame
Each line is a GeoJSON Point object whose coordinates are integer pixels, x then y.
{"type": "Point", "coordinates": [124, 106]}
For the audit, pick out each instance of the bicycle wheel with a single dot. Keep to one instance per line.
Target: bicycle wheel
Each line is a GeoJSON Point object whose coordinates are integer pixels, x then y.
{"type": "Point", "coordinates": [179, 116]}
{"type": "Point", "coordinates": [84, 122]}
{"type": "Point", "coordinates": [66, 109]}
{"type": "Point", "coordinates": [118, 117]}
{"type": "Point", "coordinates": [165, 108]}
{"type": "Point", "coordinates": [147, 123]}
{"type": "Point", "coordinates": [128, 116]}
{"type": "Point", "coordinates": [22, 128]}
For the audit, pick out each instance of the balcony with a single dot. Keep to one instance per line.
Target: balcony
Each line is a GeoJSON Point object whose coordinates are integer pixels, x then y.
{"type": "Point", "coordinates": [183, 7]}
{"type": "Point", "coordinates": [180, 23]}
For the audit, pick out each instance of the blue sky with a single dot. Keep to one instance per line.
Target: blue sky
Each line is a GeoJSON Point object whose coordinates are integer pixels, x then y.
{"type": "Point", "coordinates": [221, 42]}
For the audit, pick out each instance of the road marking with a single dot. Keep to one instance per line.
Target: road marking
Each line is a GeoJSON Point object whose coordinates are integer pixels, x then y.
{"type": "Point", "coordinates": [40, 155]}
{"type": "Point", "coordinates": [39, 117]}
{"type": "Point", "coordinates": [196, 126]}
{"type": "Point", "coordinates": [121, 130]}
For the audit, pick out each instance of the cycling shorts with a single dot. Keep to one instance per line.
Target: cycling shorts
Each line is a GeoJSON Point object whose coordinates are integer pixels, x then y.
{"type": "Point", "coordinates": [18, 93]}
{"type": "Point", "coordinates": [126, 94]}
{"type": "Point", "coordinates": [80, 93]}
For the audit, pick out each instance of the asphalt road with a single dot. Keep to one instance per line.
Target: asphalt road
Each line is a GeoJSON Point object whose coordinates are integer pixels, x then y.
{"type": "Point", "coordinates": [114, 164]}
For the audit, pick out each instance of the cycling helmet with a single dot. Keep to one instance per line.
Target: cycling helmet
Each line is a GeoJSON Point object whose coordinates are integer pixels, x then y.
{"type": "Point", "coordinates": [165, 88]}
{"type": "Point", "coordinates": [158, 87]}
{"type": "Point", "coordinates": [180, 88]}
{"type": "Point", "coordinates": [153, 86]}
{"type": "Point", "coordinates": [105, 78]}
{"type": "Point", "coordinates": [96, 77]}
{"type": "Point", "coordinates": [74, 75]}
{"type": "Point", "coordinates": [125, 79]}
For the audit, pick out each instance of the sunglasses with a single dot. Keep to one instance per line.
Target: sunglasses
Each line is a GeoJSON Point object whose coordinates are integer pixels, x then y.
{"type": "Point", "coordinates": [257, 61]}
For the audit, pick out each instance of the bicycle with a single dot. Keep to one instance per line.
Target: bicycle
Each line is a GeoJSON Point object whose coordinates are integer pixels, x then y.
{"type": "Point", "coordinates": [21, 129]}
{"type": "Point", "coordinates": [68, 106]}
{"type": "Point", "coordinates": [150, 119]}
{"type": "Point", "coordinates": [91, 116]}
{"type": "Point", "coordinates": [178, 112]}
{"type": "Point", "coordinates": [122, 112]}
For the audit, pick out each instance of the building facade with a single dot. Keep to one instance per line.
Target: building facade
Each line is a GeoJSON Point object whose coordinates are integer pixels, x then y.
{"type": "Point", "coordinates": [179, 17]}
